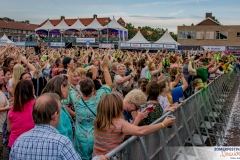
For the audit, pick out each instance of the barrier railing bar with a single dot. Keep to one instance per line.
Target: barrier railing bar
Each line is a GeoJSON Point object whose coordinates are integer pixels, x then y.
{"type": "Point", "coordinates": [203, 121]}
{"type": "Point", "coordinates": [186, 125]}
{"type": "Point", "coordinates": [144, 148]}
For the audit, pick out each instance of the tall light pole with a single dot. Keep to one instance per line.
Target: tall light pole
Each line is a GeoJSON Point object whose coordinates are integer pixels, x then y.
{"type": "Point", "coordinates": [61, 31]}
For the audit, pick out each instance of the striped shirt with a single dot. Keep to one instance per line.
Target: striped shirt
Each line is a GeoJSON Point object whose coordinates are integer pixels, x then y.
{"type": "Point", "coordinates": [109, 138]}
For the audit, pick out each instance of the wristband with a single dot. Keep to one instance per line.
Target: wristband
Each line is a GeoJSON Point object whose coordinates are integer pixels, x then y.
{"type": "Point", "coordinates": [163, 126]}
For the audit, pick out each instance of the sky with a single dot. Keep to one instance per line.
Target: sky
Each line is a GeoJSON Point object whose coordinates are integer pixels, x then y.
{"type": "Point", "coordinates": [167, 14]}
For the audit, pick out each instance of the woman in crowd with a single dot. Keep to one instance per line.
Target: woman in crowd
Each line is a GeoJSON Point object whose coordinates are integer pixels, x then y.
{"type": "Point", "coordinates": [39, 82]}
{"type": "Point", "coordinates": [111, 128]}
{"type": "Point", "coordinates": [120, 80]}
{"type": "Point", "coordinates": [20, 115]}
{"type": "Point", "coordinates": [60, 85]}
{"type": "Point", "coordinates": [4, 107]}
{"type": "Point", "coordinates": [154, 108]}
{"type": "Point", "coordinates": [86, 112]}
{"type": "Point", "coordinates": [9, 63]}
{"type": "Point", "coordinates": [74, 93]}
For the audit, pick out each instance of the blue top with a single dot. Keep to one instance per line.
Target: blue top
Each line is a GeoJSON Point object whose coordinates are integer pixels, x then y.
{"type": "Point", "coordinates": [177, 93]}
{"type": "Point", "coordinates": [64, 126]}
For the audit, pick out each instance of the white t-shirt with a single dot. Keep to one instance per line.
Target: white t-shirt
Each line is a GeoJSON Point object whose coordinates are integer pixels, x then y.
{"type": "Point", "coordinates": [119, 86]}
{"type": "Point", "coordinates": [163, 101]}
{"type": "Point", "coordinates": [3, 103]}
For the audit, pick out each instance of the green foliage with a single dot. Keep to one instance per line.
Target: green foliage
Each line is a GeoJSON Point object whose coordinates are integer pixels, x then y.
{"type": "Point", "coordinates": [151, 34]}
{"type": "Point", "coordinates": [174, 36]}
{"type": "Point", "coordinates": [131, 30]}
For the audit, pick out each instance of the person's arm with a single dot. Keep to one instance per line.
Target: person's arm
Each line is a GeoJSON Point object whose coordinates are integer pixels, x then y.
{"type": "Point", "coordinates": [106, 73]}
{"type": "Point", "coordinates": [131, 129]}
{"type": "Point", "coordinates": [29, 65]}
{"type": "Point", "coordinates": [177, 79]}
{"type": "Point", "coordinates": [184, 82]}
{"type": "Point", "coordinates": [71, 112]}
{"type": "Point", "coordinates": [125, 78]}
{"type": "Point", "coordinates": [5, 108]}
{"type": "Point", "coordinates": [140, 116]}
{"type": "Point", "coordinates": [213, 70]}
{"type": "Point", "coordinates": [4, 51]}
{"type": "Point", "coordinates": [190, 68]}
{"type": "Point", "coordinates": [94, 73]}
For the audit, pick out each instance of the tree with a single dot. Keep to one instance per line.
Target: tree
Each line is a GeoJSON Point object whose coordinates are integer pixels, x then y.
{"type": "Point", "coordinates": [174, 36]}
{"type": "Point", "coordinates": [131, 30]}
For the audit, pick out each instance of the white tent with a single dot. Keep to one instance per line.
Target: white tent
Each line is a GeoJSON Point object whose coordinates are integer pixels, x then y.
{"type": "Point", "coordinates": [77, 25]}
{"type": "Point", "coordinates": [47, 26]}
{"type": "Point", "coordinates": [115, 25]}
{"type": "Point", "coordinates": [138, 38]}
{"type": "Point", "coordinates": [62, 25]}
{"type": "Point", "coordinates": [94, 25]}
{"type": "Point", "coordinates": [5, 40]}
{"type": "Point", "coordinates": [167, 39]}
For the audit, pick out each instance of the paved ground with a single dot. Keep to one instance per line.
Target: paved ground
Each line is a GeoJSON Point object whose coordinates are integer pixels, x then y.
{"type": "Point", "coordinates": [232, 137]}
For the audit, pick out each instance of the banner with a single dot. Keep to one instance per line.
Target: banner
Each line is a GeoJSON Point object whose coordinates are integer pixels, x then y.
{"type": "Point", "coordinates": [215, 48]}
{"type": "Point", "coordinates": [106, 45]}
{"type": "Point", "coordinates": [125, 44]}
{"type": "Point", "coordinates": [170, 46]}
{"type": "Point", "coordinates": [146, 45]}
{"type": "Point", "coordinates": [57, 44]}
{"type": "Point", "coordinates": [135, 45]}
{"type": "Point", "coordinates": [157, 45]}
{"type": "Point", "coordinates": [84, 40]}
{"type": "Point", "coordinates": [19, 44]}
{"type": "Point", "coordinates": [30, 43]}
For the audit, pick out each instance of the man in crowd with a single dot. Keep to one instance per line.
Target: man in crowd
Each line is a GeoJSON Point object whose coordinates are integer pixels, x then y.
{"type": "Point", "coordinates": [44, 141]}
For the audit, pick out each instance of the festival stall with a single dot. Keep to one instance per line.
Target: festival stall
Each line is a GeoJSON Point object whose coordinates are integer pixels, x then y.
{"type": "Point", "coordinates": [5, 40]}
{"type": "Point", "coordinates": [166, 42]}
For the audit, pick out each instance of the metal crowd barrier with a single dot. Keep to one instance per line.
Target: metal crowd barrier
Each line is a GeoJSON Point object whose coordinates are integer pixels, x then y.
{"type": "Point", "coordinates": [201, 121]}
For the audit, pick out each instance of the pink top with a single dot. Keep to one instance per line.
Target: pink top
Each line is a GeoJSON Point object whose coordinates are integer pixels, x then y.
{"type": "Point", "coordinates": [20, 121]}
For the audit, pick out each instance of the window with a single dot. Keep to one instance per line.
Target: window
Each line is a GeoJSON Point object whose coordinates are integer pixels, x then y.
{"type": "Point", "coordinates": [19, 31]}
{"type": "Point", "coordinates": [209, 35]}
{"type": "Point", "coordinates": [221, 35]}
{"type": "Point", "coordinates": [6, 30]}
{"type": "Point", "coordinates": [29, 32]}
{"type": "Point", "coordinates": [1, 30]}
{"type": "Point", "coordinates": [15, 31]}
{"type": "Point", "coordinates": [24, 32]}
{"type": "Point", "coordinates": [238, 34]}
{"type": "Point", "coordinates": [200, 35]}
{"type": "Point", "coordinates": [186, 35]}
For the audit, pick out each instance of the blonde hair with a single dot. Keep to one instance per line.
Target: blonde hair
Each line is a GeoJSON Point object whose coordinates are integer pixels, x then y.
{"type": "Point", "coordinates": [121, 65]}
{"type": "Point", "coordinates": [82, 71]}
{"type": "Point", "coordinates": [109, 107]}
{"type": "Point", "coordinates": [18, 69]}
{"type": "Point", "coordinates": [136, 96]}
{"type": "Point", "coordinates": [38, 72]}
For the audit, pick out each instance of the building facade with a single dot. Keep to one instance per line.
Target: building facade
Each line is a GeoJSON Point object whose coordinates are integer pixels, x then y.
{"type": "Point", "coordinates": [209, 32]}
{"type": "Point", "coordinates": [17, 31]}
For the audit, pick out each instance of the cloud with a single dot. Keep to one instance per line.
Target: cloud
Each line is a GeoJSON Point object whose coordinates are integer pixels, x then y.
{"type": "Point", "coordinates": [166, 2]}
{"type": "Point", "coordinates": [151, 17]}
{"type": "Point", "coordinates": [176, 13]}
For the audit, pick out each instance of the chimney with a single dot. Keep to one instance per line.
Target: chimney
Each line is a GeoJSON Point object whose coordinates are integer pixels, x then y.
{"type": "Point", "coordinates": [170, 33]}
{"type": "Point", "coordinates": [27, 21]}
{"type": "Point", "coordinates": [62, 17]}
{"type": "Point", "coordinates": [208, 15]}
{"type": "Point", "coordinates": [94, 16]}
{"type": "Point", "coordinates": [139, 28]}
{"type": "Point", "coordinates": [5, 19]}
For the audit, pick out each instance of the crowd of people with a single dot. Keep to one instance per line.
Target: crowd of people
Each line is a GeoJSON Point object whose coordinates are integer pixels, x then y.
{"type": "Point", "coordinates": [82, 103]}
